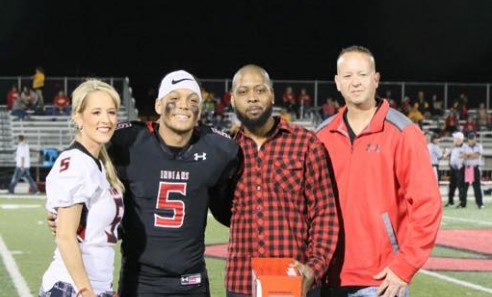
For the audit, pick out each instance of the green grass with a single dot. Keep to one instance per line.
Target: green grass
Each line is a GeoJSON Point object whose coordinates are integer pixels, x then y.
{"type": "Point", "coordinates": [425, 286]}
{"type": "Point", "coordinates": [26, 235]}
{"type": "Point", "coordinates": [6, 284]}
{"type": "Point", "coordinates": [445, 252]}
{"type": "Point", "coordinates": [467, 218]}
{"type": "Point", "coordinates": [480, 278]}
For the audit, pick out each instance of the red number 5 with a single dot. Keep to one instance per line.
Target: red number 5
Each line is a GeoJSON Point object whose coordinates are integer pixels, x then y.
{"type": "Point", "coordinates": [176, 206]}
{"type": "Point", "coordinates": [64, 164]}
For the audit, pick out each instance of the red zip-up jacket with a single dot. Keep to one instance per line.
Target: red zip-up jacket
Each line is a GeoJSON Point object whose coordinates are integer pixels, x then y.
{"type": "Point", "coordinates": [389, 197]}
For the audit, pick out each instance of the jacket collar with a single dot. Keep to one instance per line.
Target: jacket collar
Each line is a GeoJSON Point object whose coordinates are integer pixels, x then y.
{"type": "Point", "coordinates": [375, 125]}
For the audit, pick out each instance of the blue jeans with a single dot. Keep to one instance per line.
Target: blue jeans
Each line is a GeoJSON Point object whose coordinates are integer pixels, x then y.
{"type": "Point", "coordinates": [353, 292]}
{"type": "Point", "coordinates": [19, 113]}
{"type": "Point", "coordinates": [312, 293]}
{"type": "Point", "coordinates": [61, 289]}
{"type": "Point", "coordinates": [18, 174]}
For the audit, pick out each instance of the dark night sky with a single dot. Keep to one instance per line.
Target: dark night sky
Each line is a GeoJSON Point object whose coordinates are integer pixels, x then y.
{"type": "Point", "coordinates": [412, 40]}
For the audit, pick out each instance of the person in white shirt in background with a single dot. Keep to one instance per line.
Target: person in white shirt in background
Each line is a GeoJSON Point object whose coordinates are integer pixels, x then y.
{"type": "Point", "coordinates": [436, 153]}
{"type": "Point", "coordinates": [456, 170]}
{"type": "Point", "coordinates": [472, 154]}
{"type": "Point", "coordinates": [22, 165]}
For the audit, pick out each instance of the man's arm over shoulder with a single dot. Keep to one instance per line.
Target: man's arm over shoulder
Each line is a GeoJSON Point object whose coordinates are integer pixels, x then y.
{"type": "Point", "coordinates": [125, 135]}
{"type": "Point", "coordinates": [422, 200]}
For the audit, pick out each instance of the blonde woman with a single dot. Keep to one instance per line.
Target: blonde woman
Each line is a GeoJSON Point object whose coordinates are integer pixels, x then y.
{"type": "Point", "coordinates": [84, 191]}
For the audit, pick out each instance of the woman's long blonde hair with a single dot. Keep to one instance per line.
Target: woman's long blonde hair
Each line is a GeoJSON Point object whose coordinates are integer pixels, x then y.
{"type": "Point", "coordinates": [79, 102]}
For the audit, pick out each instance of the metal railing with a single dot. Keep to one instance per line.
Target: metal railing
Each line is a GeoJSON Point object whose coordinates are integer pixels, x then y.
{"type": "Point", "coordinates": [322, 89]}
{"type": "Point", "coordinates": [67, 84]}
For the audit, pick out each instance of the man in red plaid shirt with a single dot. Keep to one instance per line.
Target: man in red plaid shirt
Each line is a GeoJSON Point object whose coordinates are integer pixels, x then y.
{"type": "Point", "coordinates": [284, 205]}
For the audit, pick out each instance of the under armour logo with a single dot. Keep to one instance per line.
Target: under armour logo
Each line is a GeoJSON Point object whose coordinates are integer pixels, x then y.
{"type": "Point", "coordinates": [203, 156]}
{"type": "Point", "coordinates": [373, 148]}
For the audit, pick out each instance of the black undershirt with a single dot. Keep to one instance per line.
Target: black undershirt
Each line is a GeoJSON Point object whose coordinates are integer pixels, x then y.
{"type": "Point", "coordinates": [351, 132]}
{"type": "Point", "coordinates": [174, 150]}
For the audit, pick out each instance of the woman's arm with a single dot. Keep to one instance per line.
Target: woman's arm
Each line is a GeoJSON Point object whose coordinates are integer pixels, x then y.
{"type": "Point", "coordinates": [66, 240]}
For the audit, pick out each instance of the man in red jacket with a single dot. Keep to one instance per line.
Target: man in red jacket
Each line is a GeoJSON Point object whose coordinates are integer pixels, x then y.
{"type": "Point", "coordinates": [389, 197]}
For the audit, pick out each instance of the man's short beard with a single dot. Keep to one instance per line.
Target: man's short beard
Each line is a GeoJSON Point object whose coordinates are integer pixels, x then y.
{"type": "Point", "coordinates": [253, 124]}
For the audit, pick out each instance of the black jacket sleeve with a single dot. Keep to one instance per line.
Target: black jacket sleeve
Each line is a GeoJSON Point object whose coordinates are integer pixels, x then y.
{"type": "Point", "coordinates": [222, 193]}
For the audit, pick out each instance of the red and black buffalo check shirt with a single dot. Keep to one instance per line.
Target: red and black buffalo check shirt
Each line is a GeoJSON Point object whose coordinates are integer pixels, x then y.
{"type": "Point", "coordinates": [283, 205]}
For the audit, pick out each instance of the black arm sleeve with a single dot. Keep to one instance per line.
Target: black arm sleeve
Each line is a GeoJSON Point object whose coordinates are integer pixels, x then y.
{"type": "Point", "coordinates": [222, 194]}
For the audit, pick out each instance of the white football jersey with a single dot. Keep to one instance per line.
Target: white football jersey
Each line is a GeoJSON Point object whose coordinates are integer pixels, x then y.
{"type": "Point", "coordinates": [77, 177]}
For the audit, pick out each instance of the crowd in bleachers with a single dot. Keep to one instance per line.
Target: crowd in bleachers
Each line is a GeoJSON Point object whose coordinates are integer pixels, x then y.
{"type": "Point", "coordinates": [28, 102]}
{"type": "Point", "coordinates": [216, 110]}
{"type": "Point", "coordinates": [444, 122]}
{"type": "Point", "coordinates": [294, 104]}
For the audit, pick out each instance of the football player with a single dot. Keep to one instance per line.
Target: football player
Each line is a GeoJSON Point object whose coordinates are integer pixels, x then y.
{"type": "Point", "coordinates": [172, 171]}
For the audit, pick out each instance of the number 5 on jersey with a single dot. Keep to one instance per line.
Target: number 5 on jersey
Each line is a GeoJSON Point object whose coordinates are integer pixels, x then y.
{"type": "Point", "coordinates": [176, 206]}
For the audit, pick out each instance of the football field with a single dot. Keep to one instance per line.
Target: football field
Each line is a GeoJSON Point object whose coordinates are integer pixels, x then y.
{"type": "Point", "coordinates": [461, 264]}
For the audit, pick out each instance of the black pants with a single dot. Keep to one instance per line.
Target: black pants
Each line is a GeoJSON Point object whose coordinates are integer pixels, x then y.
{"type": "Point", "coordinates": [131, 286]}
{"type": "Point", "coordinates": [477, 189]}
{"type": "Point", "coordinates": [455, 182]}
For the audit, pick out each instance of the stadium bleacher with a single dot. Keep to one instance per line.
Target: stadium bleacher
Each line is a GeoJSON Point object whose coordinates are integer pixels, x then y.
{"type": "Point", "coordinates": [40, 131]}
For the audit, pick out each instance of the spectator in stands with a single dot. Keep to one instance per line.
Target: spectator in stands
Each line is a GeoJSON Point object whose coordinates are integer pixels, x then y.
{"type": "Point", "coordinates": [437, 106]}
{"type": "Point", "coordinates": [463, 99]}
{"type": "Point", "coordinates": [329, 108]}
{"type": "Point", "coordinates": [29, 98]}
{"type": "Point", "coordinates": [208, 108]}
{"type": "Point", "coordinates": [220, 122]}
{"type": "Point", "coordinates": [61, 104]}
{"type": "Point", "coordinates": [227, 99]}
{"type": "Point", "coordinates": [303, 102]}
{"type": "Point", "coordinates": [482, 117]}
{"type": "Point", "coordinates": [463, 112]}
{"type": "Point", "coordinates": [285, 114]}
{"type": "Point", "coordinates": [38, 85]}
{"type": "Point", "coordinates": [220, 107]}
{"type": "Point", "coordinates": [472, 154]}
{"type": "Point", "coordinates": [390, 99]}
{"type": "Point", "coordinates": [12, 95]}
{"type": "Point", "coordinates": [205, 92]}
{"type": "Point", "coordinates": [456, 174]}
{"type": "Point", "coordinates": [470, 125]}
{"type": "Point", "coordinates": [392, 103]}
{"type": "Point", "coordinates": [423, 105]}
{"type": "Point", "coordinates": [462, 107]}
{"type": "Point", "coordinates": [289, 99]}
{"type": "Point", "coordinates": [405, 105]}
{"type": "Point", "coordinates": [415, 115]}
{"type": "Point", "coordinates": [451, 121]}
{"type": "Point", "coordinates": [22, 167]}
{"type": "Point", "coordinates": [19, 107]}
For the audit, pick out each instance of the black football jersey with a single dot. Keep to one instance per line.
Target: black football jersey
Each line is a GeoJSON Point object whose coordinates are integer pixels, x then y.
{"type": "Point", "coordinates": [168, 195]}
